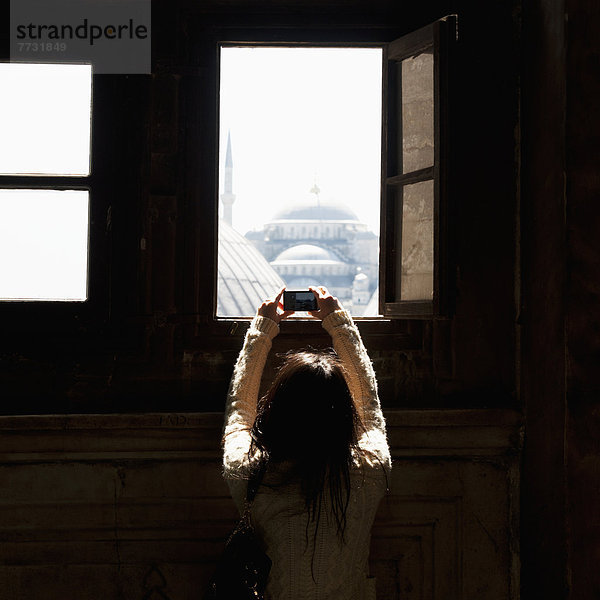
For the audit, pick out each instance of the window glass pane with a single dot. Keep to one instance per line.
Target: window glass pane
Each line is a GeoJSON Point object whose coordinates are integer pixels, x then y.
{"type": "Point", "coordinates": [45, 119]}
{"type": "Point", "coordinates": [417, 112]}
{"type": "Point", "coordinates": [415, 222]}
{"type": "Point", "coordinates": [43, 244]}
{"type": "Point", "coordinates": [300, 140]}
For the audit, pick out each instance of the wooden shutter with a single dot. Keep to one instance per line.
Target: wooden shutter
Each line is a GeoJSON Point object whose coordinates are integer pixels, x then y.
{"type": "Point", "coordinates": [415, 256]}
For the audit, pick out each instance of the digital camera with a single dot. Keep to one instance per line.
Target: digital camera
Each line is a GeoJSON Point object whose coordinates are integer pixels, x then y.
{"type": "Point", "coordinates": [299, 300]}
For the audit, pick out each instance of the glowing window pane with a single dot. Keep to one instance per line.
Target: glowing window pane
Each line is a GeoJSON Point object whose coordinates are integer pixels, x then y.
{"type": "Point", "coordinates": [417, 112]}
{"type": "Point", "coordinates": [43, 244]}
{"type": "Point", "coordinates": [45, 113]}
{"type": "Point", "coordinates": [300, 156]}
{"type": "Point", "coordinates": [414, 281]}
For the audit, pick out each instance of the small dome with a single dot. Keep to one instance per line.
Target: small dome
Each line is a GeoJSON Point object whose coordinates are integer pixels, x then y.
{"type": "Point", "coordinates": [360, 283]}
{"type": "Point", "coordinates": [316, 212]}
{"type": "Point", "coordinates": [306, 252]}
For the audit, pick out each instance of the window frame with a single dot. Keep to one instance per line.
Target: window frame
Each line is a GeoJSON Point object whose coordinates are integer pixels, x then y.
{"type": "Point", "coordinates": [279, 44]}
{"type": "Point", "coordinates": [70, 317]}
{"type": "Point", "coordinates": [381, 332]}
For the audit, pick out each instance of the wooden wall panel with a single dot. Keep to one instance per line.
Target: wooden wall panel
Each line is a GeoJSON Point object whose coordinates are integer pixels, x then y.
{"type": "Point", "coordinates": [134, 507]}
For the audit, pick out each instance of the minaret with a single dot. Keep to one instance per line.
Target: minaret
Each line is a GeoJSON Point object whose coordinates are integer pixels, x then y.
{"type": "Point", "coordinates": [316, 191]}
{"type": "Point", "coordinates": [228, 197]}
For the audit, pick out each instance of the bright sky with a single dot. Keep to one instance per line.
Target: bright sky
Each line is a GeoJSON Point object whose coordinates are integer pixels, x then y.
{"type": "Point", "coordinates": [45, 118]}
{"type": "Point", "coordinates": [296, 116]}
{"type": "Point", "coordinates": [43, 244]}
{"type": "Point", "coordinates": [44, 129]}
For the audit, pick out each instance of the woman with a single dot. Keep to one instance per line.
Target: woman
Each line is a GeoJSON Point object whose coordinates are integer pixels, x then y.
{"type": "Point", "coordinates": [320, 435]}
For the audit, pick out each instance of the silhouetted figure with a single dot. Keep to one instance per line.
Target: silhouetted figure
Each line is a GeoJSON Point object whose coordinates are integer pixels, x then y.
{"type": "Point", "coordinates": [320, 435]}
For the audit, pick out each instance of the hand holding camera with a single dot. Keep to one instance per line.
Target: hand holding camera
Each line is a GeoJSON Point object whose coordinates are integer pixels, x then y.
{"type": "Point", "coordinates": [316, 300]}
{"type": "Point", "coordinates": [269, 308]}
{"type": "Point", "coordinates": [325, 301]}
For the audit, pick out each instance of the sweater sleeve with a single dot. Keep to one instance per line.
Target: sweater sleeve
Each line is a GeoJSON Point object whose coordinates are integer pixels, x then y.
{"type": "Point", "coordinates": [361, 381]}
{"type": "Point", "coordinates": [240, 410]}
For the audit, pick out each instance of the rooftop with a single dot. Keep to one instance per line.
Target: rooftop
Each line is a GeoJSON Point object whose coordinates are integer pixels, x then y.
{"type": "Point", "coordinates": [322, 211]}
{"type": "Point", "coordinates": [245, 278]}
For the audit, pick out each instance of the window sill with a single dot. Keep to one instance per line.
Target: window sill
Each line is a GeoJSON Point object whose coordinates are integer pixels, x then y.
{"type": "Point", "coordinates": [377, 333]}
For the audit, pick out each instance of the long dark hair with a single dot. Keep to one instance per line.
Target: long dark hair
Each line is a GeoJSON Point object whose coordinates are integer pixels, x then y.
{"type": "Point", "coordinates": [308, 420]}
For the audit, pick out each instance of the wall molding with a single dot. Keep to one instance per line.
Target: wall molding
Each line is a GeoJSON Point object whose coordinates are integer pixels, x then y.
{"type": "Point", "coordinates": [187, 436]}
{"type": "Point", "coordinates": [91, 504]}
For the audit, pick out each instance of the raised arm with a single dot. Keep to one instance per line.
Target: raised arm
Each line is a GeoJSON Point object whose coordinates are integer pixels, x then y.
{"type": "Point", "coordinates": [240, 409]}
{"type": "Point", "coordinates": [351, 350]}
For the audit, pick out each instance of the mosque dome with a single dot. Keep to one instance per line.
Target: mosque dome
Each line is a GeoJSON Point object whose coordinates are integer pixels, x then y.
{"type": "Point", "coordinates": [304, 253]}
{"type": "Point", "coordinates": [316, 212]}
{"type": "Point", "coordinates": [245, 278]}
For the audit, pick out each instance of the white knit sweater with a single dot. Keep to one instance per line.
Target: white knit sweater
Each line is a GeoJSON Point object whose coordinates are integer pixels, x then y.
{"type": "Point", "coordinates": [302, 568]}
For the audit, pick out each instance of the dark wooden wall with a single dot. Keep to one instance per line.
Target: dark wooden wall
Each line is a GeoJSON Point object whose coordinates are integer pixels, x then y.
{"type": "Point", "coordinates": [134, 507]}
{"type": "Point", "coordinates": [524, 334]}
{"type": "Point", "coordinates": [543, 266]}
{"type": "Point", "coordinates": [583, 298]}
{"type": "Point", "coordinates": [146, 340]}
{"type": "Point", "coordinates": [560, 534]}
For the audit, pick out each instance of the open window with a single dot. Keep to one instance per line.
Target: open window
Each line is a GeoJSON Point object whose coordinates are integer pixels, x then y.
{"type": "Point", "coordinates": [415, 251]}
{"type": "Point", "coordinates": [300, 139]}
{"type": "Point", "coordinates": [413, 241]}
